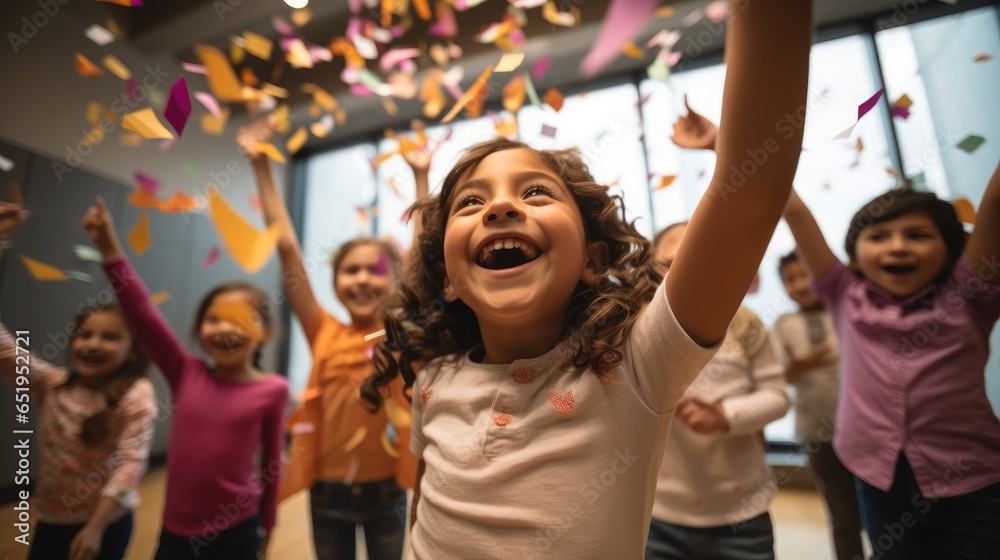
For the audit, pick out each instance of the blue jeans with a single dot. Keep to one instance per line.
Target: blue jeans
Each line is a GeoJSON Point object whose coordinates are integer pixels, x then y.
{"type": "Point", "coordinates": [337, 510]}
{"type": "Point", "coordinates": [904, 525]}
{"type": "Point", "coordinates": [750, 540]}
{"type": "Point", "coordinates": [239, 542]}
{"type": "Point", "coordinates": [51, 541]}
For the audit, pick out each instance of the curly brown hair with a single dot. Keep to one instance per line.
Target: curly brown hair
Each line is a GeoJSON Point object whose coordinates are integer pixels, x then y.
{"type": "Point", "coordinates": [599, 316]}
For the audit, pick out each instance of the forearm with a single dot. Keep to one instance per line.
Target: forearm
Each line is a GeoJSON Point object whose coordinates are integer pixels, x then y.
{"type": "Point", "coordinates": [816, 254]}
{"type": "Point", "coordinates": [273, 205]}
{"type": "Point", "coordinates": [107, 512]}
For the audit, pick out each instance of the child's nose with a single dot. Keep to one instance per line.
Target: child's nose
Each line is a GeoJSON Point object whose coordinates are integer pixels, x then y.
{"type": "Point", "coordinates": [503, 210]}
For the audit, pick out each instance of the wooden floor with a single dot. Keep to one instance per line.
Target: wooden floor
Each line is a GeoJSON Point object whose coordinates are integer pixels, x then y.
{"type": "Point", "coordinates": [799, 520]}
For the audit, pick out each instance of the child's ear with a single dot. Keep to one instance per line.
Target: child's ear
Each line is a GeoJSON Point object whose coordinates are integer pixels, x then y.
{"type": "Point", "coordinates": [597, 260]}
{"type": "Point", "coordinates": [449, 292]}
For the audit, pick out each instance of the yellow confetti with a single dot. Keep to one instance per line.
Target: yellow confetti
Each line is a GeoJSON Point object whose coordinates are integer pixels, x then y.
{"type": "Point", "coordinates": [301, 16]}
{"type": "Point", "coordinates": [258, 45]}
{"type": "Point", "coordinates": [270, 151]}
{"type": "Point", "coordinates": [139, 239]}
{"type": "Point", "coordinates": [210, 124]}
{"type": "Point", "coordinates": [248, 246]}
{"type": "Point", "coordinates": [43, 272]}
{"type": "Point", "coordinates": [159, 298]}
{"type": "Point", "coordinates": [274, 90]}
{"type": "Point", "coordinates": [390, 106]}
{"type": "Point", "coordinates": [664, 11]}
{"type": "Point", "coordinates": [320, 96]}
{"type": "Point", "coordinates": [509, 62]}
{"type": "Point", "coordinates": [85, 68]}
{"type": "Point", "coordinates": [145, 122]}
{"type": "Point", "coordinates": [130, 139]}
{"type": "Point", "coordinates": [236, 53]}
{"type": "Point", "coordinates": [356, 439]}
{"type": "Point", "coordinates": [297, 140]}
{"type": "Point", "coordinates": [473, 97]}
{"type": "Point", "coordinates": [666, 181]}
{"type": "Point", "coordinates": [552, 15]}
{"type": "Point", "coordinates": [116, 67]}
{"type": "Point", "coordinates": [903, 101]}
{"type": "Point", "coordinates": [221, 77]}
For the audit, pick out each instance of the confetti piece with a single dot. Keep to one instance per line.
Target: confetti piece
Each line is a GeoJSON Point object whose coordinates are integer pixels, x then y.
{"type": "Point", "coordinates": [297, 140]}
{"type": "Point", "coordinates": [139, 239]}
{"type": "Point", "coordinates": [529, 87]}
{"type": "Point", "coordinates": [982, 57]}
{"type": "Point", "coordinates": [624, 20]}
{"type": "Point", "coordinates": [554, 98]}
{"type": "Point", "coordinates": [900, 111]}
{"type": "Point", "coordinates": [221, 77]}
{"type": "Point", "coordinates": [970, 143]}
{"type": "Point", "coordinates": [506, 128]}
{"type": "Point", "coordinates": [241, 314]}
{"type": "Point", "coordinates": [236, 51]}
{"type": "Point", "coordinates": [282, 26]}
{"type": "Point", "coordinates": [116, 67]}
{"type": "Point", "coordinates": [665, 181]}
{"type": "Point", "coordinates": [6, 165]}
{"type": "Point", "coordinates": [320, 96]}
{"type": "Point", "coordinates": [356, 439]}
{"type": "Point", "coordinates": [178, 105]}
{"type": "Point", "coordinates": [126, 3]}
{"type": "Point", "coordinates": [211, 124]}
{"type": "Point", "coordinates": [194, 68]}
{"type": "Point", "coordinates": [159, 298]}
{"type": "Point", "coordinates": [551, 14]}
{"type": "Point", "coordinates": [249, 247]}
{"type": "Point", "coordinates": [396, 57]}
{"type": "Point", "coordinates": [717, 11]}
{"type": "Point", "coordinates": [474, 95]}
{"type": "Point", "coordinates": [99, 35]}
{"type": "Point", "coordinates": [208, 102]}
{"type": "Point", "coordinates": [258, 45]}
{"type": "Point", "coordinates": [903, 101]}
{"type": "Point", "coordinates": [85, 68]}
{"type": "Point", "coordinates": [85, 253]}
{"type": "Point", "coordinates": [43, 272]}
{"type": "Point", "coordinates": [147, 182]}
{"type": "Point", "coordinates": [445, 24]}
{"type": "Point", "coordinates": [144, 122]}
{"type": "Point", "coordinates": [892, 172]}
{"type": "Point", "coordinates": [130, 139]}
{"type": "Point", "coordinates": [632, 50]}
{"type": "Point", "coordinates": [664, 11]}
{"type": "Point", "coordinates": [549, 131]}
{"type": "Point", "coordinates": [693, 17]}
{"type": "Point", "coordinates": [966, 213]}
{"type": "Point", "coordinates": [270, 151]}
{"type": "Point", "coordinates": [541, 68]}
{"type": "Point", "coordinates": [81, 276]}
{"type": "Point", "coordinates": [863, 110]}
{"type": "Point", "coordinates": [509, 62]}
{"type": "Point", "coordinates": [301, 17]}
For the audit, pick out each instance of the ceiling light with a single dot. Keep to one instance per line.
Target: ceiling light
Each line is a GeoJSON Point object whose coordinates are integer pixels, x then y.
{"type": "Point", "coordinates": [297, 4]}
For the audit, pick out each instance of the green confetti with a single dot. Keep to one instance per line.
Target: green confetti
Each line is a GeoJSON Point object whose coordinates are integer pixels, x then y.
{"type": "Point", "coordinates": [81, 276]}
{"type": "Point", "coordinates": [532, 94]}
{"type": "Point", "coordinates": [919, 181]}
{"type": "Point", "coordinates": [659, 71]}
{"type": "Point", "coordinates": [87, 254]}
{"type": "Point", "coordinates": [970, 143]}
{"type": "Point", "coordinates": [192, 167]}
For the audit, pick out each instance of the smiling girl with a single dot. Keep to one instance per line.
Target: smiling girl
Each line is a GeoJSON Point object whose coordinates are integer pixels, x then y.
{"type": "Point", "coordinates": [95, 424]}
{"type": "Point", "coordinates": [225, 410]}
{"type": "Point", "coordinates": [553, 356]}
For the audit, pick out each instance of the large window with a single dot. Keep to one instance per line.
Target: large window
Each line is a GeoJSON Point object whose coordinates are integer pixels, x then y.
{"type": "Point", "coordinates": [623, 132]}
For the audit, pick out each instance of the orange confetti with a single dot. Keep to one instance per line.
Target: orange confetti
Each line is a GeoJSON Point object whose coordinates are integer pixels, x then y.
{"type": "Point", "coordinates": [297, 140]}
{"type": "Point", "coordinates": [43, 272]}
{"type": "Point", "coordinates": [514, 93]}
{"type": "Point", "coordinates": [247, 245]}
{"type": "Point", "coordinates": [982, 58]}
{"type": "Point", "coordinates": [221, 77]}
{"type": "Point", "coordinates": [632, 50]}
{"type": "Point", "coordinates": [159, 298]}
{"type": "Point", "coordinates": [139, 238]}
{"type": "Point", "coordinates": [554, 98]}
{"type": "Point", "coordinates": [473, 98]}
{"type": "Point", "coordinates": [666, 181]}
{"type": "Point", "coordinates": [85, 68]}
{"type": "Point", "coordinates": [966, 213]}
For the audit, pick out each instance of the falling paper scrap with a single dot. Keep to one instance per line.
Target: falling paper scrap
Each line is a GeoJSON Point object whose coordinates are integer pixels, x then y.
{"type": "Point", "coordinates": [144, 122]}
{"type": "Point", "coordinates": [473, 97]}
{"type": "Point", "coordinates": [248, 246]}
{"type": "Point", "coordinates": [87, 254]}
{"type": "Point", "coordinates": [554, 98]}
{"type": "Point", "coordinates": [509, 62]}
{"type": "Point", "coordinates": [178, 105]}
{"type": "Point", "coordinates": [99, 35]}
{"type": "Point", "coordinates": [665, 181]}
{"type": "Point", "coordinates": [139, 239]}
{"type": "Point", "coordinates": [147, 182]}
{"type": "Point", "coordinates": [85, 68]}
{"type": "Point", "coordinates": [966, 213]}
{"type": "Point", "coordinates": [549, 131]}
{"type": "Point", "coordinates": [211, 124]}
{"type": "Point", "coordinates": [970, 143]}
{"type": "Point", "coordinates": [43, 272]}
{"type": "Point", "coordinates": [159, 298]}
{"type": "Point", "coordinates": [270, 151]}
{"type": "Point", "coordinates": [116, 67]}
{"type": "Point", "coordinates": [624, 20]}
{"type": "Point", "coordinates": [863, 110]}
{"type": "Point", "coordinates": [221, 77]}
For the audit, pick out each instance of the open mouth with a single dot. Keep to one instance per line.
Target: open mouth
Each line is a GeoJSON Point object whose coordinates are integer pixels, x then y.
{"type": "Point", "coordinates": [227, 343]}
{"type": "Point", "coordinates": [500, 254]}
{"type": "Point", "coordinates": [900, 269]}
{"type": "Point", "coordinates": [91, 360]}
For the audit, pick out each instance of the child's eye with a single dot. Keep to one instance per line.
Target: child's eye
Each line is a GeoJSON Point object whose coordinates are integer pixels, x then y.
{"type": "Point", "coordinates": [465, 201]}
{"type": "Point", "coordinates": [538, 189]}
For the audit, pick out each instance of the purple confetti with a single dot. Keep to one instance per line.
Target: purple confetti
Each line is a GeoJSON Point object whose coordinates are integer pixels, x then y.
{"type": "Point", "coordinates": [541, 68]}
{"type": "Point", "coordinates": [210, 258]}
{"type": "Point", "coordinates": [147, 182]}
{"type": "Point", "coordinates": [549, 131]}
{"type": "Point", "coordinates": [382, 266]}
{"type": "Point", "coordinates": [900, 111]}
{"type": "Point", "coordinates": [178, 105]}
{"type": "Point", "coordinates": [868, 105]}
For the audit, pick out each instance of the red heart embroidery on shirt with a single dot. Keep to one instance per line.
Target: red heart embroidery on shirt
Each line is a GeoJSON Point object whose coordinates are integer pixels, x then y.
{"type": "Point", "coordinates": [564, 406]}
{"type": "Point", "coordinates": [425, 394]}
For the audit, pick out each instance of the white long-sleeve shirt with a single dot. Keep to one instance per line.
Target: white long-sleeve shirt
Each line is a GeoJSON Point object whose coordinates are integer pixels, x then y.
{"type": "Point", "coordinates": [712, 480]}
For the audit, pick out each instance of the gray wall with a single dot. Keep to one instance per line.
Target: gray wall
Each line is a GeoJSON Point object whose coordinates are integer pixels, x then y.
{"type": "Point", "coordinates": [173, 263]}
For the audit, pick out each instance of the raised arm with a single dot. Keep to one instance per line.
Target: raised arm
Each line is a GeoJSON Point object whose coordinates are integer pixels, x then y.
{"type": "Point", "coordinates": [768, 54]}
{"type": "Point", "coordinates": [144, 320]}
{"type": "Point", "coordinates": [812, 247]}
{"type": "Point", "coordinates": [293, 271]}
{"type": "Point", "coordinates": [984, 244]}
{"type": "Point", "coordinates": [420, 162]}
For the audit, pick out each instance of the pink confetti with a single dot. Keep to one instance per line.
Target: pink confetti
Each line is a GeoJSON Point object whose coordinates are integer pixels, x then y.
{"type": "Point", "coordinates": [178, 105]}
{"type": "Point", "coordinates": [354, 6]}
{"type": "Point", "coordinates": [717, 11]}
{"type": "Point", "coordinates": [870, 104]}
{"type": "Point", "coordinates": [130, 89]}
{"type": "Point", "coordinates": [900, 111]}
{"type": "Point", "coordinates": [166, 143]}
{"type": "Point", "coordinates": [360, 90]}
{"type": "Point", "coordinates": [209, 102]}
{"type": "Point", "coordinates": [147, 182]}
{"type": "Point", "coordinates": [194, 68]}
{"type": "Point", "coordinates": [396, 57]}
{"type": "Point", "coordinates": [445, 26]}
{"type": "Point", "coordinates": [354, 27]}
{"type": "Point", "coordinates": [382, 266]}
{"type": "Point", "coordinates": [210, 258]}
{"type": "Point", "coordinates": [693, 18]}
{"type": "Point", "coordinates": [541, 68]}
{"type": "Point", "coordinates": [549, 131]}
{"type": "Point", "coordinates": [282, 26]}
{"type": "Point", "coordinates": [624, 20]}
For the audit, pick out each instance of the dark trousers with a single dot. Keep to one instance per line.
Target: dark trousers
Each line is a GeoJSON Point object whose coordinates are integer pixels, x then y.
{"type": "Point", "coordinates": [902, 524]}
{"type": "Point", "coordinates": [239, 542]}
{"type": "Point", "coordinates": [51, 541]}
{"type": "Point", "coordinates": [836, 484]}
{"type": "Point", "coordinates": [752, 539]}
{"type": "Point", "coordinates": [337, 510]}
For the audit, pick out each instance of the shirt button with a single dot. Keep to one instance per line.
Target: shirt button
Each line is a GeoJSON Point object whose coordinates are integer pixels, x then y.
{"type": "Point", "coordinates": [522, 376]}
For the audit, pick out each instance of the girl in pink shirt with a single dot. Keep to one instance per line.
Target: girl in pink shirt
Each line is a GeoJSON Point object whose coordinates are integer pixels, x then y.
{"type": "Point", "coordinates": [94, 430]}
{"type": "Point", "coordinates": [553, 353]}
{"type": "Point", "coordinates": [221, 500]}
{"type": "Point", "coordinates": [913, 315]}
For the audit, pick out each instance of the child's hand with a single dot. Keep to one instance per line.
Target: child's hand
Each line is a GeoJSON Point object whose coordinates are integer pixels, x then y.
{"type": "Point", "coordinates": [694, 132]}
{"type": "Point", "coordinates": [700, 417]}
{"type": "Point", "coordinates": [97, 221]}
{"type": "Point", "coordinates": [12, 215]}
{"type": "Point", "coordinates": [813, 359]}
{"type": "Point", "coordinates": [420, 160]}
{"type": "Point", "coordinates": [252, 134]}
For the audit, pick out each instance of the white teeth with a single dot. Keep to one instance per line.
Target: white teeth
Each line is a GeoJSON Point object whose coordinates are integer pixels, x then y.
{"type": "Point", "coordinates": [508, 244]}
{"type": "Point", "coordinates": [498, 244]}
{"type": "Point", "coordinates": [517, 244]}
